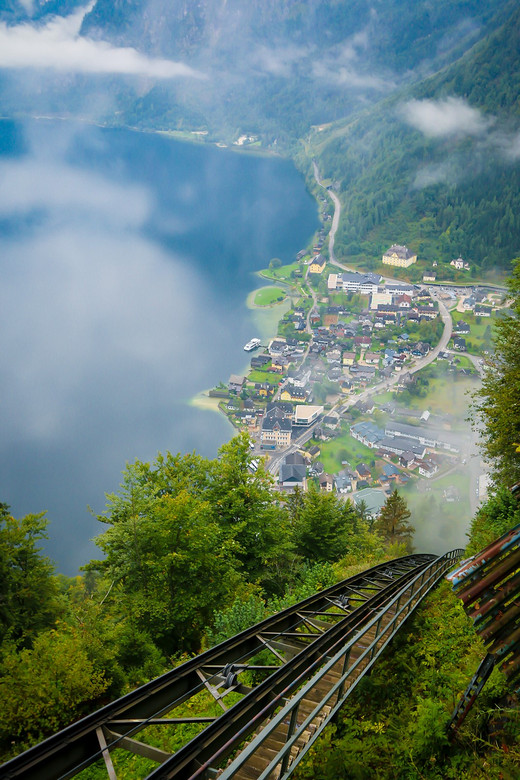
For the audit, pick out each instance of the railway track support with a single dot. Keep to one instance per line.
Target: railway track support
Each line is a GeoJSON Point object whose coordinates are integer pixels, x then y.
{"type": "Point", "coordinates": [285, 677]}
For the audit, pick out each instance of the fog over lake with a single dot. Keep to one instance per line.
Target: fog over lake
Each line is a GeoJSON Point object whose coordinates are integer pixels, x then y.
{"type": "Point", "coordinates": [126, 259]}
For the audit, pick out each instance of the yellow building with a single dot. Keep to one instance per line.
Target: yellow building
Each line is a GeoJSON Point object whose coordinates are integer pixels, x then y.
{"type": "Point", "coordinates": [317, 265]}
{"type": "Point", "coordinates": [295, 394]}
{"type": "Point", "coordinates": [400, 256]}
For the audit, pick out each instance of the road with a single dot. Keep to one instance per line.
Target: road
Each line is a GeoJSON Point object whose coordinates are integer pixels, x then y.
{"type": "Point", "coordinates": [336, 216]}
{"type": "Point", "coordinates": [443, 341]}
{"type": "Point", "coordinates": [386, 384]}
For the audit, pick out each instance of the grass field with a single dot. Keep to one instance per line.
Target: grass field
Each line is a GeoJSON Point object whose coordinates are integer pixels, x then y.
{"type": "Point", "coordinates": [264, 376]}
{"type": "Point", "coordinates": [446, 395]}
{"type": "Point", "coordinates": [266, 296]}
{"type": "Point", "coordinates": [482, 330]}
{"type": "Point", "coordinates": [439, 525]}
{"type": "Point", "coordinates": [281, 274]}
{"type": "Point", "coordinates": [343, 448]}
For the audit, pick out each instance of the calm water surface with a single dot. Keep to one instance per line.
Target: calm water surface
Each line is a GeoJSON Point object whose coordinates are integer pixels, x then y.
{"type": "Point", "coordinates": [125, 262]}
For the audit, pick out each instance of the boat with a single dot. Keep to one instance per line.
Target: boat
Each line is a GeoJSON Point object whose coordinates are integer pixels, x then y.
{"type": "Point", "coordinates": [253, 344]}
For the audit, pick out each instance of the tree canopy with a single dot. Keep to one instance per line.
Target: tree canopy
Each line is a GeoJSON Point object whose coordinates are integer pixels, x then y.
{"type": "Point", "coordinates": [28, 589]}
{"type": "Point", "coordinates": [392, 522]}
{"type": "Point", "coordinates": [496, 405]}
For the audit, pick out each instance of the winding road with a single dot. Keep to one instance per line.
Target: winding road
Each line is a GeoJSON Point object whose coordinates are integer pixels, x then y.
{"type": "Point", "coordinates": [344, 404]}
{"type": "Point", "coordinates": [444, 312]}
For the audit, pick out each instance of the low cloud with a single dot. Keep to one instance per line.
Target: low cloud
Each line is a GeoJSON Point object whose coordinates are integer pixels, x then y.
{"type": "Point", "coordinates": [58, 46]}
{"type": "Point", "coordinates": [509, 145]}
{"type": "Point", "coordinates": [26, 188]}
{"type": "Point", "coordinates": [347, 77]}
{"type": "Point", "coordinates": [434, 174]}
{"type": "Point", "coordinates": [278, 61]}
{"type": "Point", "coordinates": [351, 48]}
{"type": "Point", "coordinates": [341, 68]}
{"type": "Point", "coordinates": [445, 118]}
{"type": "Point", "coordinates": [453, 119]}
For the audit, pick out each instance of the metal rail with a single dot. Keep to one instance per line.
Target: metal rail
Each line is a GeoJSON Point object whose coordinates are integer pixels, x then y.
{"type": "Point", "coordinates": [337, 677]}
{"type": "Point", "coordinates": [489, 586]}
{"type": "Point", "coordinates": [297, 639]}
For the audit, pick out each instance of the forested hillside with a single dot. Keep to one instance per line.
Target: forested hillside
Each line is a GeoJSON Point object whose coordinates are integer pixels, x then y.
{"type": "Point", "coordinates": [406, 171]}
{"type": "Point", "coordinates": [272, 67]}
{"type": "Point", "coordinates": [437, 166]}
{"type": "Point", "coordinates": [410, 109]}
{"type": "Point", "coordinates": [275, 68]}
{"type": "Point", "coordinates": [194, 551]}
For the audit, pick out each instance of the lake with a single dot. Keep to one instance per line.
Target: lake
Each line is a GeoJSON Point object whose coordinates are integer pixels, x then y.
{"type": "Point", "coordinates": [126, 261]}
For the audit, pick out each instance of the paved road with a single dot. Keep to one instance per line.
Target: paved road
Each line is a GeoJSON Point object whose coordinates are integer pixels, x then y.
{"type": "Point", "coordinates": [443, 341]}
{"type": "Point", "coordinates": [386, 384]}
{"type": "Point", "coordinates": [336, 216]}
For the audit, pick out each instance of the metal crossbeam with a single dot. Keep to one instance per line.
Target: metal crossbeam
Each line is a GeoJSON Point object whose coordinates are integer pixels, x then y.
{"type": "Point", "coordinates": [91, 739]}
{"type": "Point", "coordinates": [353, 665]}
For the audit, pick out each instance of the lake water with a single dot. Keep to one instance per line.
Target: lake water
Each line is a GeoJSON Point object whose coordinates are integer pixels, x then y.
{"type": "Point", "coordinates": [126, 260]}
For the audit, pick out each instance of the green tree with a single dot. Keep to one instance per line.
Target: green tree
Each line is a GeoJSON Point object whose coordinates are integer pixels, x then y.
{"type": "Point", "coordinates": [243, 613]}
{"type": "Point", "coordinates": [29, 595]}
{"type": "Point", "coordinates": [42, 689]}
{"type": "Point", "coordinates": [362, 512]}
{"type": "Point", "coordinates": [183, 533]}
{"type": "Point", "coordinates": [321, 524]}
{"type": "Point", "coordinates": [493, 518]}
{"type": "Point", "coordinates": [243, 503]}
{"type": "Point", "coordinates": [171, 563]}
{"type": "Point", "coordinates": [496, 405]}
{"type": "Point", "coordinates": [392, 522]}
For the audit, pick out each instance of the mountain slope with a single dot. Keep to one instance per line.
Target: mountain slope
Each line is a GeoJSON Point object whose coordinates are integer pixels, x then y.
{"type": "Point", "coordinates": [421, 100]}
{"type": "Point", "coordinates": [276, 67]}
{"type": "Point", "coordinates": [437, 165]}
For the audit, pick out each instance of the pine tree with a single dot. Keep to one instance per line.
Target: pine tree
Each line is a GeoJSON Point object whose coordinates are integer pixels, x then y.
{"type": "Point", "coordinates": [392, 522]}
{"type": "Point", "coordinates": [496, 406]}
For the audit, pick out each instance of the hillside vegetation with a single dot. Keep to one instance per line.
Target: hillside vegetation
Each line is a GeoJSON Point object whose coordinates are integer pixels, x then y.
{"type": "Point", "coordinates": [195, 550]}
{"type": "Point", "coordinates": [411, 110]}
{"type": "Point", "coordinates": [435, 167]}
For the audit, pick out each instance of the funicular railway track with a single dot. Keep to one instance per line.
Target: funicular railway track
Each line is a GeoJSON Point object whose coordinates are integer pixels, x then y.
{"type": "Point", "coordinates": [276, 685]}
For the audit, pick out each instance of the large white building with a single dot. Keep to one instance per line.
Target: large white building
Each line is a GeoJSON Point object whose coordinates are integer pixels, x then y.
{"type": "Point", "coordinates": [365, 284]}
{"type": "Point", "coordinates": [427, 438]}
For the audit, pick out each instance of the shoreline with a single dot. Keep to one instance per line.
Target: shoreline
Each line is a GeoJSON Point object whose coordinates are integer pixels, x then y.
{"type": "Point", "coordinates": [250, 303]}
{"type": "Point", "coordinates": [265, 319]}
{"type": "Point", "coordinates": [182, 136]}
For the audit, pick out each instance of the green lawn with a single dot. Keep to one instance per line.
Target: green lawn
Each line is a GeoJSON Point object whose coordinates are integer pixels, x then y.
{"type": "Point", "coordinates": [344, 448]}
{"type": "Point", "coordinates": [446, 395]}
{"type": "Point", "coordinates": [266, 296]}
{"type": "Point", "coordinates": [264, 376]}
{"type": "Point", "coordinates": [465, 362]}
{"type": "Point", "coordinates": [281, 274]}
{"type": "Point", "coordinates": [482, 330]}
{"type": "Point", "coordinates": [439, 525]}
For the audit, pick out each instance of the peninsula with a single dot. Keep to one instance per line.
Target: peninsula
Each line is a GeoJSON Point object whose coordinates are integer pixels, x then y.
{"type": "Point", "coordinates": [363, 386]}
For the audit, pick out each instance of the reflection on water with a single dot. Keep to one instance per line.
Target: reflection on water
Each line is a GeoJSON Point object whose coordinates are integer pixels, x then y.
{"type": "Point", "coordinates": [126, 260]}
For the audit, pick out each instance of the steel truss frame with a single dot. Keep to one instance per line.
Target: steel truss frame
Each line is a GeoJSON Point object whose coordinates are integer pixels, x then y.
{"type": "Point", "coordinates": [298, 639]}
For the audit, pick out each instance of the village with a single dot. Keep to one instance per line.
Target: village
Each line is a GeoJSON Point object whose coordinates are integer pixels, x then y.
{"type": "Point", "coordinates": [356, 392]}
